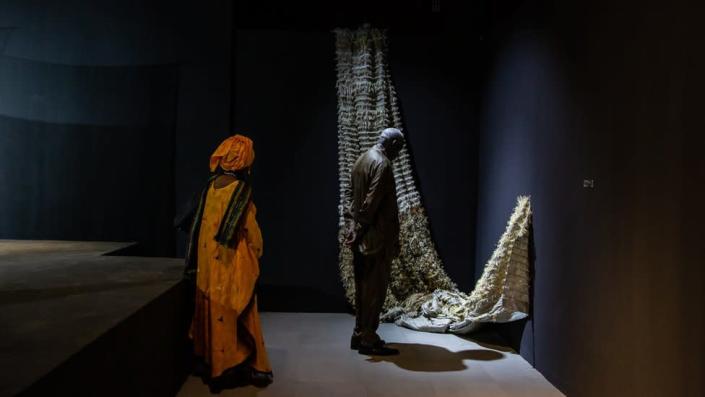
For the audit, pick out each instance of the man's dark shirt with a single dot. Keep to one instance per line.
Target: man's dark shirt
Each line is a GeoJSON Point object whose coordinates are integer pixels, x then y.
{"type": "Point", "coordinates": [374, 203]}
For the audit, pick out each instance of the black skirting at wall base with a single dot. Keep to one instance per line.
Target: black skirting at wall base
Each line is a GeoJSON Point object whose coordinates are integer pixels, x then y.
{"type": "Point", "coordinates": [288, 298]}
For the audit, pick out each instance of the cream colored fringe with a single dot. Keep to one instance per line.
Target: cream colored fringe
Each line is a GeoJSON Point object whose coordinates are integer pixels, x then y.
{"type": "Point", "coordinates": [500, 295]}
{"type": "Point", "coordinates": [367, 103]}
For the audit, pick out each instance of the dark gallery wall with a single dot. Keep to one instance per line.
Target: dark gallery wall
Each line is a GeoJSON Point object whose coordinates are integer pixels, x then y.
{"type": "Point", "coordinates": [97, 100]}
{"type": "Point", "coordinates": [608, 92]}
{"type": "Point", "coordinates": [285, 99]}
{"type": "Point", "coordinates": [438, 92]}
{"type": "Point", "coordinates": [109, 111]}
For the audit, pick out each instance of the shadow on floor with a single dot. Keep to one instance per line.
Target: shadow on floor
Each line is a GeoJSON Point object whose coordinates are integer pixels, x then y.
{"type": "Point", "coordinates": [234, 387]}
{"type": "Point", "coordinates": [488, 338]}
{"type": "Point", "coordinates": [428, 358]}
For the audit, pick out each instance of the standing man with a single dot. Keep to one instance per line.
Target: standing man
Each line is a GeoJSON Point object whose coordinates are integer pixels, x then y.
{"type": "Point", "coordinates": [374, 237]}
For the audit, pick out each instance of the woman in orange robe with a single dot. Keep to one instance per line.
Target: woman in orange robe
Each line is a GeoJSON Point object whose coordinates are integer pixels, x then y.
{"type": "Point", "coordinates": [224, 253]}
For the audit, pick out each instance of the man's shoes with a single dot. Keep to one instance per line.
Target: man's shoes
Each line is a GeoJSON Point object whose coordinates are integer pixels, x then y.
{"type": "Point", "coordinates": [355, 343]}
{"type": "Point", "coordinates": [377, 350]}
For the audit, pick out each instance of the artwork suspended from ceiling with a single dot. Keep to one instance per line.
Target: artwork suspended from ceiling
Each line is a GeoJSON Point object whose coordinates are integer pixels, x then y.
{"type": "Point", "coordinates": [367, 104]}
{"type": "Point", "coordinates": [420, 295]}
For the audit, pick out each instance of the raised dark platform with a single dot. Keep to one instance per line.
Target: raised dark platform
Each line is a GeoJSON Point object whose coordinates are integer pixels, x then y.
{"type": "Point", "coordinates": [74, 320]}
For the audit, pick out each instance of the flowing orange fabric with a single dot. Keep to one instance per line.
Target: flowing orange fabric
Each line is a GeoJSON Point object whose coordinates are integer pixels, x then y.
{"type": "Point", "coordinates": [233, 154]}
{"type": "Point", "coordinates": [226, 327]}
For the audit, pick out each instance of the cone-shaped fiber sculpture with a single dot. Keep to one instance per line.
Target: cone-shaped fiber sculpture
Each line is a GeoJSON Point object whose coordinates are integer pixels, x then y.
{"type": "Point", "coordinates": [367, 104]}
{"type": "Point", "coordinates": [420, 295]}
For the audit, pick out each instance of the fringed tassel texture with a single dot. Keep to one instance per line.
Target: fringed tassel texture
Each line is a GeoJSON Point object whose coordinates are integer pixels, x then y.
{"type": "Point", "coordinates": [500, 295]}
{"type": "Point", "coordinates": [421, 295]}
{"type": "Point", "coordinates": [367, 104]}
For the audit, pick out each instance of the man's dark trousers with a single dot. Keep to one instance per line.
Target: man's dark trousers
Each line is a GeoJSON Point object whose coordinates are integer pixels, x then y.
{"type": "Point", "coordinates": [371, 280]}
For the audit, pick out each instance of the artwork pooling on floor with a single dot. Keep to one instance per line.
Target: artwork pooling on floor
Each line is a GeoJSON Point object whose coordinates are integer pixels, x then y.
{"type": "Point", "coordinates": [420, 294]}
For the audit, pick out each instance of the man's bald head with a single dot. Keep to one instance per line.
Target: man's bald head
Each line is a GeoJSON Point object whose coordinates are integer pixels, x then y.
{"type": "Point", "coordinates": [392, 140]}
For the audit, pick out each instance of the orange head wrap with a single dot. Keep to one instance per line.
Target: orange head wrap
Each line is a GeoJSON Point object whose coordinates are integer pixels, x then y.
{"type": "Point", "coordinates": [233, 154]}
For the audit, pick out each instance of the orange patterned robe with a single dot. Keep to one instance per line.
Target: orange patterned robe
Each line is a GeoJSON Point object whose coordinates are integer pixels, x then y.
{"type": "Point", "coordinates": [226, 329]}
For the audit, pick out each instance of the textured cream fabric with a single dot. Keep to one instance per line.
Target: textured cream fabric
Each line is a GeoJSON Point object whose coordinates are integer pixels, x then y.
{"type": "Point", "coordinates": [367, 104]}
{"type": "Point", "coordinates": [500, 295]}
{"type": "Point", "coordinates": [421, 295]}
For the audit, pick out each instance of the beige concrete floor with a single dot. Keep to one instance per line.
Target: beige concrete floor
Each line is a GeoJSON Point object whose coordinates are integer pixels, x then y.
{"type": "Point", "coordinates": [311, 357]}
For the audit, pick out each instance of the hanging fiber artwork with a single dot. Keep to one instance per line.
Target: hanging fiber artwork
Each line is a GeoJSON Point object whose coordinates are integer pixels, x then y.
{"type": "Point", "coordinates": [367, 103]}
{"type": "Point", "coordinates": [501, 294]}
{"type": "Point", "coordinates": [420, 293]}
